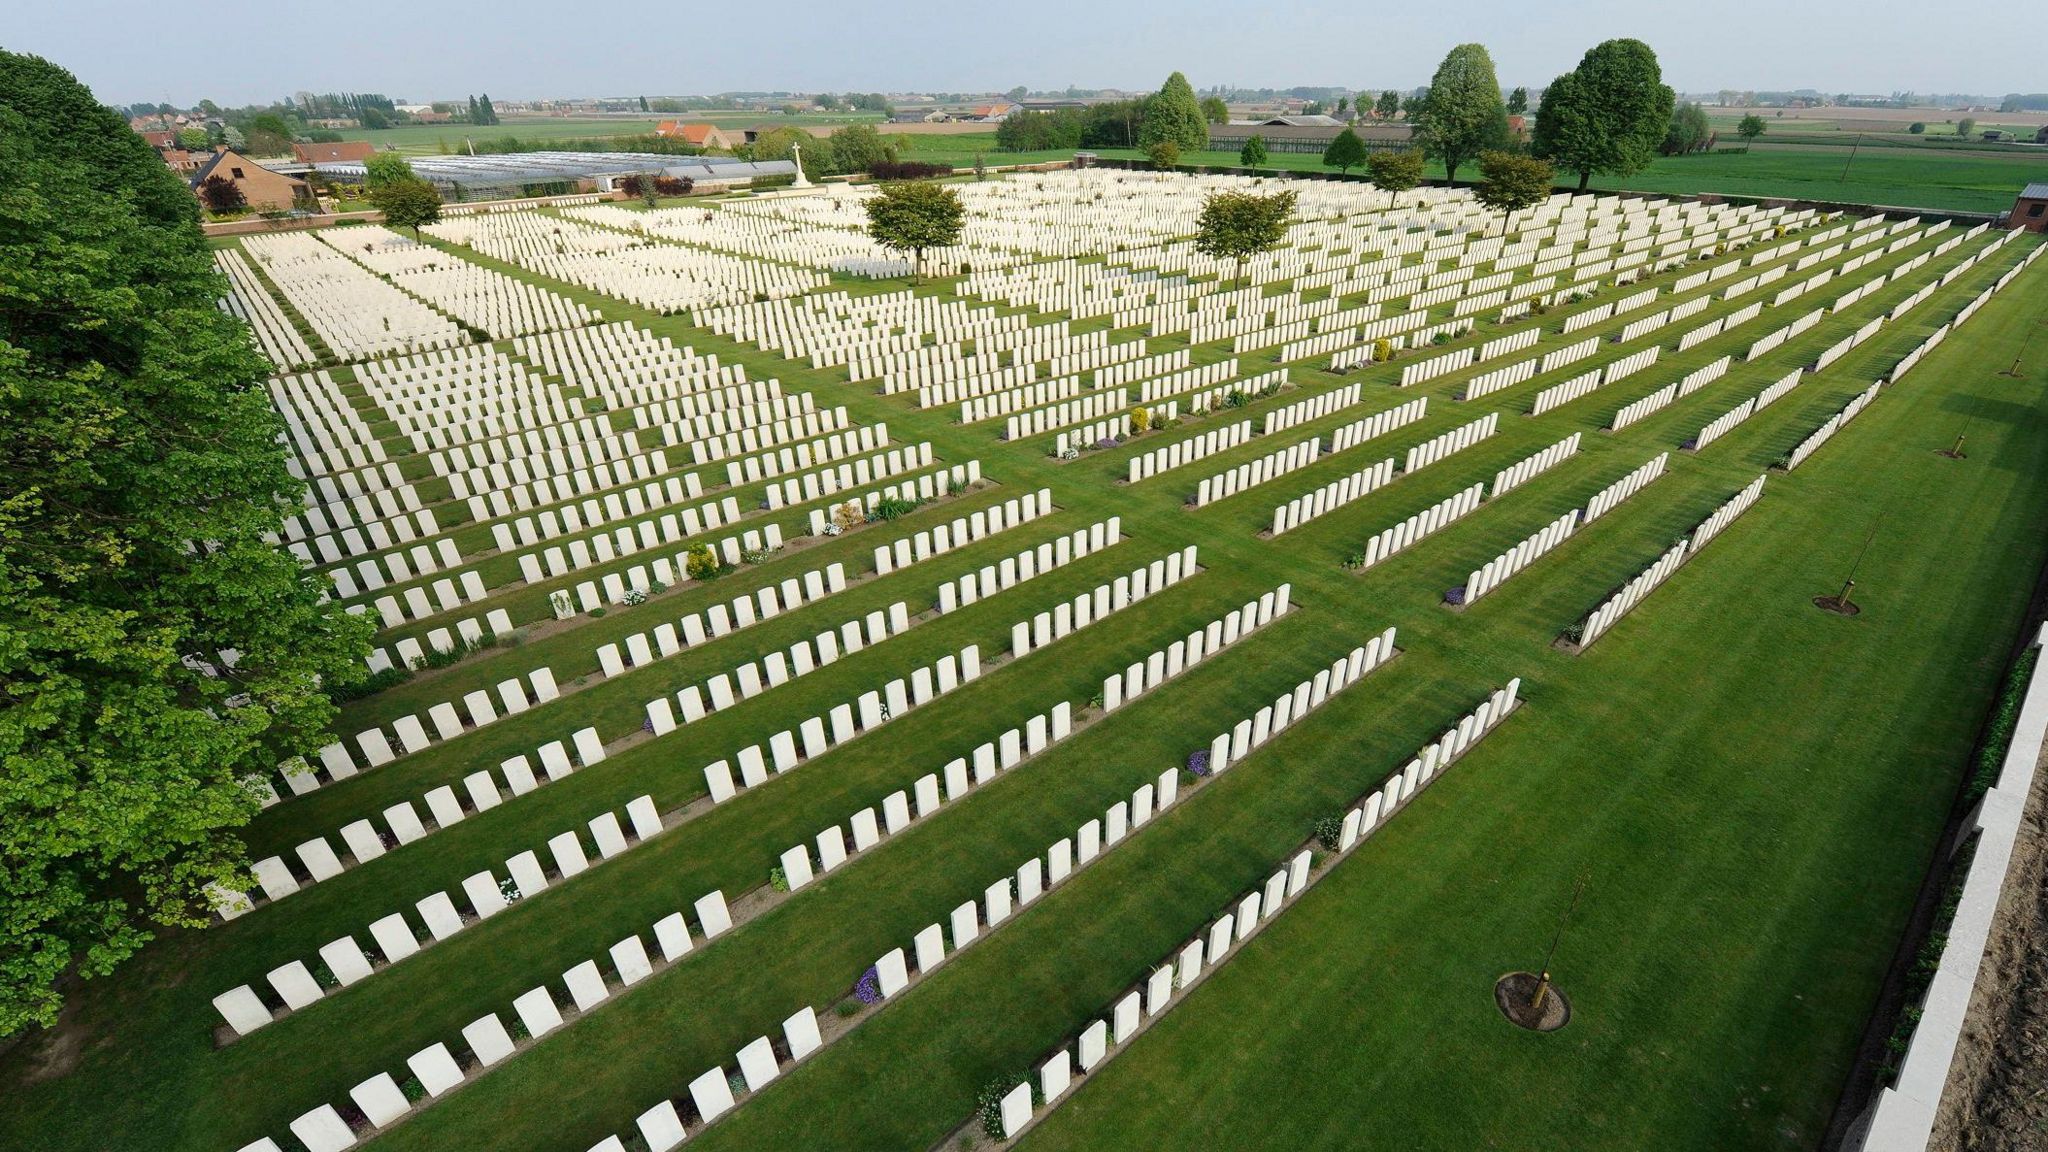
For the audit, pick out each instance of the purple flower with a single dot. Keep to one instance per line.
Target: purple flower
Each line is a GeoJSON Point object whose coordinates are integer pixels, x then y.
{"type": "Point", "coordinates": [1455, 595]}
{"type": "Point", "coordinates": [1106, 442]}
{"type": "Point", "coordinates": [1198, 762]}
{"type": "Point", "coordinates": [868, 989]}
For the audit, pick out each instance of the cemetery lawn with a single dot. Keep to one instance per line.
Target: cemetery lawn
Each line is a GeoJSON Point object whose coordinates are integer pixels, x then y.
{"type": "Point", "coordinates": [1751, 788]}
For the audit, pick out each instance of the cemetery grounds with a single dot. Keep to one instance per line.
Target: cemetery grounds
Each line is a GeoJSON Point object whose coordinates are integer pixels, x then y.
{"type": "Point", "coordinates": [1750, 789]}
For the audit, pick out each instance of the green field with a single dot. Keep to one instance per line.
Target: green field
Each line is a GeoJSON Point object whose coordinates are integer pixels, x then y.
{"type": "Point", "coordinates": [1925, 177]}
{"type": "Point", "coordinates": [424, 139]}
{"type": "Point", "coordinates": [1751, 788]}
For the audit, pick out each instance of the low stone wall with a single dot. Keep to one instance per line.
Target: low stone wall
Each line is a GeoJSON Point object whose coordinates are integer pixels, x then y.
{"type": "Point", "coordinates": [1903, 1118]}
{"type": "Point", "coordinates": [255, 224]}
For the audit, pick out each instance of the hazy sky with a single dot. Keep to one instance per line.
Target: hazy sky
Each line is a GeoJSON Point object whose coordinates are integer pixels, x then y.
{"type": "Point", "coordinates": [421, 50]}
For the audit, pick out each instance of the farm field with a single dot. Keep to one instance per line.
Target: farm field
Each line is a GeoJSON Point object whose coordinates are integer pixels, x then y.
{"type": "Point", "coordinates": [1750, 788]}
{"type": "Point", "coordinates": [425, 139]}
{"type": "Point", "coordinates": [1925, 177]}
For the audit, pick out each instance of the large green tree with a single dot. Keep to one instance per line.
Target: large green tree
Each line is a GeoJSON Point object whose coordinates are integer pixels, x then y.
{"type": "Point", "coordinates": [858, 148]}
{"type": "Point", "coordinates": [1608, 115]}
{"type": "Point", "coordinates": [1346, 151]}
{"type": "Point", "coordinates": [1462, 115]}
{"type": "Point", "coordinates": [414, 203]}
{"type": "Point", "coordinates": [142, 469]}
{"type": "Point", "coordinates": [1511, 182]}
{"type": "Point", "coordinates": [386, 168]}
{"type": "Point", "coordinates": [1689, 132]}
{"type": "Point", "coordinates": [1236, 226]}
{"type": "Point", "coordinates": [913, 215]}
{"type": "Point", "coordinates": [1395, 171]}
{"type": "Point", "coordinates": [1173, 113]}
{"type": "Point", "coordinates": [1389, 105]}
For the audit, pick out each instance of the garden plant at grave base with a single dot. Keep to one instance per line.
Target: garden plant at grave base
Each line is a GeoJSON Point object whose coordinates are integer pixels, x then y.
{"type": "Point", "coordinates": [751, 352]}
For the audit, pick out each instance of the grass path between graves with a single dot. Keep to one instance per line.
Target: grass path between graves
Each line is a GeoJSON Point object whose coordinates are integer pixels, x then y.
{"type": "Point", "coordinates": [1674, 782]}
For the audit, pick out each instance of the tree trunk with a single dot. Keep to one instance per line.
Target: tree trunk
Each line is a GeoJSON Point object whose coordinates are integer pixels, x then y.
{"type": "Point", "coordinates": [1585, 175]}
{"type": "Point", "coordinates": [916, 266]}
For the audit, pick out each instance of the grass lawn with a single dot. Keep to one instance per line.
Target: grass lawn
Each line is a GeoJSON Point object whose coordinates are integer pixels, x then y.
{"type": "Point", "coordinates": [1752, 787]}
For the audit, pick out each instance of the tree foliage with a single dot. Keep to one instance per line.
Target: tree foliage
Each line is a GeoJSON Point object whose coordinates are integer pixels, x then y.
{"type": "Point", "coordinates": [913, 215]}
{"type": "Point", "coordinates": [1389, 105]}
{"type": "Point", "coordinates": [1214, 110]}
{"type": "Point", "coordinates": [222, 195]}
{"type": "Point", "coordinates": [858, 148]}
{"type": "Point", "coordinates": [1253, 154]}
{"type": "Point", "coordinates": [1518, 101]}
{"type": "Point", "coordinates": [1607, 115]}
{"type": "Point", "coordinates": [1751, 127]}
{"type": "Point", "coordinates": [1511, 182]}
{"type": "Point", "coordinates": [1173, 113]}
{"type": "Point", "coordinates": [383, 168]}
{"type": "Point", "coordinates": [143, 471]}
{"type": "Point", "coordinates": [1164, 154]}
{"type": "Point", "coordinates": [783, 143]}
{"type": "Point", "coordinates": [1462, 115]}
{"type": "Point", "coordinates": [1689, 131]}
{"type": "Point", "coordinates": [1112, 124]}
{"type": "Point", "coordinates": [1396, 172]}
{"type": "Point", "coordinates": [414, 203]}
{"type": "Point", "coordinates": [1239, 225]}
{"type": "Point", "coordinates": [1346, 151]}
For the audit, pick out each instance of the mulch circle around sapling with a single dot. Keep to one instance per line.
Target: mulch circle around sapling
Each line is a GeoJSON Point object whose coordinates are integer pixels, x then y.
{"type": "Point", "coordinates": [1837, 605]}
{"type": "Point", "coordinates": [1515, 994]}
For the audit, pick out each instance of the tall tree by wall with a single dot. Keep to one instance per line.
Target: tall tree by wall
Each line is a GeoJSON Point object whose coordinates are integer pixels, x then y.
{"type": "Point", "coordinates": [144, 468]}
{"type": "Point", "coordinates": [1174, 114]}
{"type": "Point", "coordinates": [1462, 115]}
{"type": "Point", "coordinates": [1608, 115]}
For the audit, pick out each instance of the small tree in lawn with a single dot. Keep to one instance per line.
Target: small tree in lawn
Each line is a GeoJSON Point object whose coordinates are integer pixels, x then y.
{"type": "Point", "coordinates": [1346, 151]}
{"type": "Point", "coordinates": [410, 203]}
{"type": "Point", "coordinates": [1395, 172]}
{"type": "Point", "coordinates": [1751, 127]}
{"type": "Point", "coordinates": [222, 195]}
{"type": "Point", "coordinates": [913, 215]}
{"type": "Point", "coordinates": [1164, 154]}
{"type": "Point", "coordinates": [1512, 182]}
{"type": "Point", "coordinates": [1239, 225]}
{"type": "Point", "coordinates": [1253, 154]}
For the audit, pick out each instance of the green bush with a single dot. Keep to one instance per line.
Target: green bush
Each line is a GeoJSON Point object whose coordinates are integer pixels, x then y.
{"type": "Point", "coordinates": [894, 509]}
{"type": "Point", "coordinates": [702, 564]}
{"type": "Point", "coordinates": [1998, 734]}
{"type": "Point", "coordinates": [1329, 832]}
{"type": "Point", "coordinates": [369, 685]}
{"type": "Point", "coordinates": [989, 1105]}
{"type": "Point", "coordinates": [778, 879]}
